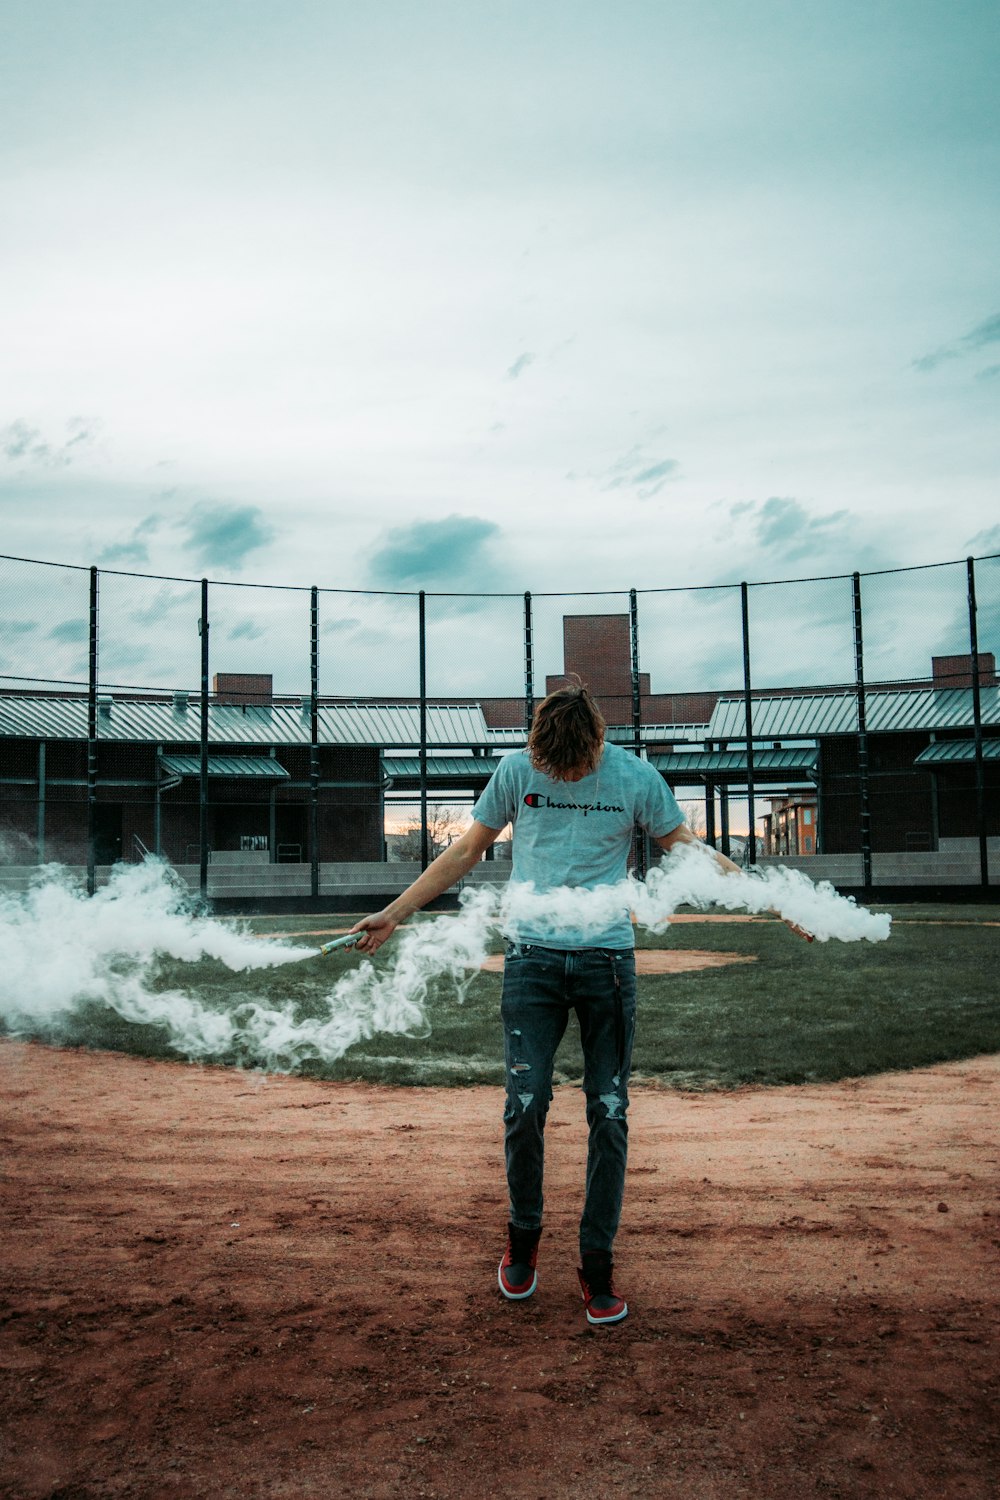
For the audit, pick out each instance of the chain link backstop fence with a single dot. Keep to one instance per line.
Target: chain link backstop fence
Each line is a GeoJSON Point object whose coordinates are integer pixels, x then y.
{"type": "Point", "coordinates": [316, 744]}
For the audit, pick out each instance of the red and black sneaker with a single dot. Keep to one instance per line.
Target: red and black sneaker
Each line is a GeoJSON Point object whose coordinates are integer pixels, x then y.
{"type": "Point", "coordinates": [602, 1302]}
{"type": "Point", "coordinates": [517, 1275]}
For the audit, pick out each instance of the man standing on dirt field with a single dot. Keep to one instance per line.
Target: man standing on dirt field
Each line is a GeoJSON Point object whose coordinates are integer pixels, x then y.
{"type": "Point", "coordinates": [574, 801]}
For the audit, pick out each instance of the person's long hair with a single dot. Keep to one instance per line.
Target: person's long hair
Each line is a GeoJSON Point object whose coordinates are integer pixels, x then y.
{"type": "Point", "coordinates": [567, 733]}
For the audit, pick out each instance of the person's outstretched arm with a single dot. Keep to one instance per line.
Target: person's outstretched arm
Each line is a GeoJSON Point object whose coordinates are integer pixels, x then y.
{"type": "Point", "coordinates": [683, 835]}
{"type": "Point", "coordinates": [449, 867]}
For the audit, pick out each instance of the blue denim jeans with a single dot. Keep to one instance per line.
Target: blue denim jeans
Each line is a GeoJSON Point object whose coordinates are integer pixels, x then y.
{"type": "Point", "coordinates": [540, 988]}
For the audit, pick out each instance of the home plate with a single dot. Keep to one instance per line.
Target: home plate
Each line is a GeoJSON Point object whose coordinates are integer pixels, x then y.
{"type": "Point", "coordinates": [660, 961]}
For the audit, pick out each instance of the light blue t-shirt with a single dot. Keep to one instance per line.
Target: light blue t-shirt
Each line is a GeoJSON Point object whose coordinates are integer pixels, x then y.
{"type": "Point", "coordinates": [577, 834]}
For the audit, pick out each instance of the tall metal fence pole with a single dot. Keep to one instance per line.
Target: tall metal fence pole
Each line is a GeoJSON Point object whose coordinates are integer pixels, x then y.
{"type": "Point", "coordinates": [424, 852]}
{"type": "Point", "coordinates": [751, 855]}
{"type": "Point", "coordinates": [529, 665]}
{"type": "Point", "coordinates": [977, 729]}
{"type": "Point", "coordinates": [40, 815]}
{"type": "Point", "coordinates": [203, 762]}
{"type": "Point", "coordinates": [633, 614]}
{"type": "Point", "coordinates": [92, 739]}
{"type": "Point", "coordinates": [863, 772]}
{"type": "Point", "coordinates": [314, 740]}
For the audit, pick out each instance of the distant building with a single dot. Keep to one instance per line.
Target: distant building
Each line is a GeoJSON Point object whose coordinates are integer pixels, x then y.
{"type": "Point", "coordinates": [791, 826]}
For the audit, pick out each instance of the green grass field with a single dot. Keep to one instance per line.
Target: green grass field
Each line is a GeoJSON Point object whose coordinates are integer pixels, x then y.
{"type": "Point", "coordinates": [800, 1013]}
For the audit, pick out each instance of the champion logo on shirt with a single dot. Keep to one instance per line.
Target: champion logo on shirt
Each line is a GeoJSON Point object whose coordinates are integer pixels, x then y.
{"type": "Point", "coordinates": [539, 799]}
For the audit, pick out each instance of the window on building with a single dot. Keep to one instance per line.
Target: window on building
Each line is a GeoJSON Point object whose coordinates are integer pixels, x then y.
{"type": "Point", "coordinates": [807, 814]}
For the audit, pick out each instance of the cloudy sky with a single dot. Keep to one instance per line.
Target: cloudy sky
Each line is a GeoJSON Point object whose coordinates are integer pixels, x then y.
{"type": "Point", "coordinates": [540, 295]}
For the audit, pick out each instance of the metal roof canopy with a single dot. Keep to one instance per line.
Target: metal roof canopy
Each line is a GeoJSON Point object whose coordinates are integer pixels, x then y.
{"type": "Point", "coordinates": [455, 769]}
{"type": "Point", "coordinates": [351, 725]}
{"type": "Point", "coordinates": [258, 767]}
{"type": "Point", "coordinates": [462, 726]}
{"type": "Point", "coordinates": [808, 715]}
{"type": "Point", "coordinates": [731, 765]}
{"type": "Point", "coordinates": [956, 752]}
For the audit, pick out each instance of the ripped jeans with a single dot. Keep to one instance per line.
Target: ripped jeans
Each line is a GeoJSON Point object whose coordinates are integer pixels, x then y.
{"type": "Point", "coordinates": [540, 988]}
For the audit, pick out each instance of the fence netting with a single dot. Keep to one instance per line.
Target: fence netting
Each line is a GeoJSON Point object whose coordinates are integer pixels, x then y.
{"type": "Point", "coordinates": [369, 661]}
{"type": "Point", "coordinates": [275, 741]}
{"type": "Point", "coordinates": [912, 619]}
{"type": "Point", "coordinates": [918, 708]}
{"type": "Point", "coordinates": [44, 626]}
{"type": "Point", "coordinates": [260, 648]}
{"type": "Point", "coordinates": [146, 710]}
{"type": "Point", "coordinates": [691, 658]}
{"type": "Point", "coordinates": [44, 656]}
{"type": "Point", "coordinates": [803, 633]}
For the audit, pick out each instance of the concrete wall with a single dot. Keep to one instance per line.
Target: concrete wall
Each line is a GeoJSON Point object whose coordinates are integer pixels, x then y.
{"type": "Point", "coordinates": [944, 867]}
{"type": "Point", "coordinates": [958, 867]}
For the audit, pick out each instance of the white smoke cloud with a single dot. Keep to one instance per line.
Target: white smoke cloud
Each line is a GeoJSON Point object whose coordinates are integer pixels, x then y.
{"type": "Point", "coordinates": [60, 951]}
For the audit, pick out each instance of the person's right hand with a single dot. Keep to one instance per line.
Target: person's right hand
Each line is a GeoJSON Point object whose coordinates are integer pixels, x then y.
{"type": "Point", "coordinates": [377, 929]}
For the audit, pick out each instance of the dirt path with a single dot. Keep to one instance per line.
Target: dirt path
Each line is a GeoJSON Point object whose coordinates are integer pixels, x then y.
{"type": "Point", "coordinates": [223, 1285]}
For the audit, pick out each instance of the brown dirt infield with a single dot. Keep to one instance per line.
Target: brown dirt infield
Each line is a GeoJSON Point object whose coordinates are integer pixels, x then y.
{"type": "Point", "coordinates": [647, 960]}
{"type": "Point", "coordinates": [220, 1284]}
{"type": "Point", "coordinates": [661, 960]}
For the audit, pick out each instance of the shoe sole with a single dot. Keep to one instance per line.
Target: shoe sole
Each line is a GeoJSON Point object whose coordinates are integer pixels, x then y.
{"type": "Point", "coordinates": [516, 1296]}
{"type": "Point", "coordinates": [597, 1321]}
